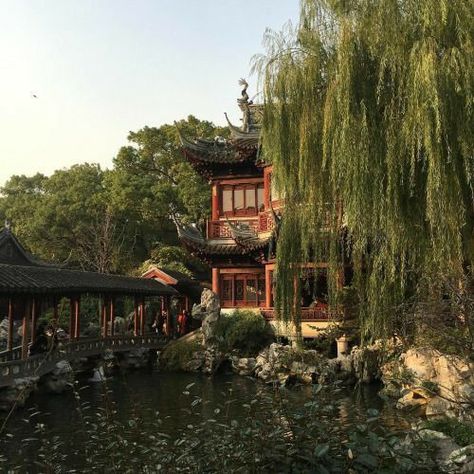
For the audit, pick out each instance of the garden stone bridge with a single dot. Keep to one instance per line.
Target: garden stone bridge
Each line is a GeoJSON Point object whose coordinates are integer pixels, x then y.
{"type": "Point", "coordinates": [12, 366]}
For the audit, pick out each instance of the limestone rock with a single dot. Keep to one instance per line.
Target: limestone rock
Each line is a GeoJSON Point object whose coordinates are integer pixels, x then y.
{"type": "Point", "coordinates": [244, 365]}
{"type": "Point", "coordinates": [438, 407]}
{"type": "Point", "coordinates": [60, 379]}
{"type": "Point", "coordinates": [460, 461]}
{"type": "Point", "coordinates": [443, 444]}
{"type": "Point", "coordinates": [17, 393]}
{"type": "Point", "coordinates": [209, 312]}
{"type": "Point", "coordinates": [366, 362]}
{"type": "Point", "coordinates": [135, 358]}
{"type": "Point", "coordinates": [213, 359]}
{"type": "Point", "coordinates": [413, 398]}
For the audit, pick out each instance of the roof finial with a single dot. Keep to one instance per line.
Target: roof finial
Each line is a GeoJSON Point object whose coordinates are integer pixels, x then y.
{"type": "Point", "coordinates": [245, 85]}
{"type": "Point", "coordinates": [7, 224]}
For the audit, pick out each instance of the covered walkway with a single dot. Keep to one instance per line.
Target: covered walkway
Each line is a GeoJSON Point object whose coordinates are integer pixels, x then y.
{"type": "Point", "coordinates": [29, 287]}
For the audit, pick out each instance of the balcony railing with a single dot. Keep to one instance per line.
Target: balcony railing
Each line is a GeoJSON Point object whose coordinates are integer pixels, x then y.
{"type": "Point", "coordinates": [221, 230]}
{"type": "Point", "coordinates": [307, 314]}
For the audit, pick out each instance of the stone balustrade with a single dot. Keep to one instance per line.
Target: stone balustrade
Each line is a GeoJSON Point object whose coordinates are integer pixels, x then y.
{"type": "Point", "coordinates": [13, 367]}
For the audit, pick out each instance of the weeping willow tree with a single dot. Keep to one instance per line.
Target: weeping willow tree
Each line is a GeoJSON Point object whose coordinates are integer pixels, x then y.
{"type": "Point", "coordinates": [369, 119]}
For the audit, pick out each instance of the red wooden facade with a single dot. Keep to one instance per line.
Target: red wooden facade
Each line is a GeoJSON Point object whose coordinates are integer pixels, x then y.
{"type": "Point", "coordinates": [240, 238]}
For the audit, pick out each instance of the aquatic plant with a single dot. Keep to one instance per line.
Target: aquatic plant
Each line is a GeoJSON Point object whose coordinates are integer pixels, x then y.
{"type": "Point", "coordinates": [272, 436]}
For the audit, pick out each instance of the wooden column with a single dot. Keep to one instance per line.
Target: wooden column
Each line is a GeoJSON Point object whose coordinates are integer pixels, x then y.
{"type": "Point", "coordinates": [77, 318]}
{"type": "Point", "coordinates": [215, 202]}
{"type": "Point", "coordinates": [215, 280]}
{"type": "Point", "coordinates": [104, 317]}
{"type": "Point", "coordinates": [34, 318]}
{"type": "Point", "coordinates": [72, 308]}
{"type": "Point", "coordinates": [268, 287]}
{"type": "Point", "coordinates": [55, 314]}
{"type": "Point", "coordinates": [169, 329]}
{"type": "Point", "coordinates": [112, 315]}
{"type": "Point", "coordinates": [10, 325]}
{"type": "Point", "coordinates": [142, 316]}
{"type": "Point", "coordinates": [25, 327]}
{"type": "Point", "coordinates": [135, 316]}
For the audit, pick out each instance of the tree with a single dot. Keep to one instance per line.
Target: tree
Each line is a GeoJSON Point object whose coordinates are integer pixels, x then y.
{"type": "Point", "coordinates": [111, 221]}
{"type": "Point", "coordinates": [66, 217]}
{"type": "Point", "coordinates": [151, 181]}
{"type": "Point", "coordinates": [370, 104]}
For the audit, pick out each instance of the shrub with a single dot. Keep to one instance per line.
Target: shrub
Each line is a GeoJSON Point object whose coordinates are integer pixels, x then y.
{"type": "Point", "coordinates": [462, 433]}
{"type": "Point", "coordinates": [432, 387]}
{"type": "Point", "coordinates": [178, 354]}
{"type": "Point", "coordinates": [246, 331]}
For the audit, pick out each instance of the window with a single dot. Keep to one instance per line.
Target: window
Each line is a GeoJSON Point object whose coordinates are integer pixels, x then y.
{"type": "Point", "coordinates": [242, 199]}
{"type": "Point", "coordinates": [242, 290]}
{"type": "Point", "coordinates": [227, 200]}
{"type": "Point", "coordinates": [250, 198]}
{"type": "Point", "coordinates": [239, 202]}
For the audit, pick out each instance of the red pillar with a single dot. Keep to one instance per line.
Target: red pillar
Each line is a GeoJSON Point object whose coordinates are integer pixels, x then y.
{"type": "Point", "coordinates": [10, 325]}
{"type": "Point", "coordinates": [135, 317]}
{"type": "Point", "coordinates": [268, 287]}
{"type": "Point", "coordinates": [104, 317]}
{"type": "Point", "coordinates": [215, 280]}
{"type": "Point", "coordinates": [72, 307]}
{"type": "Point", "coordinates": [168, 317]}
{"type": "Point", "coordinates": [34, 319]}
{"type": "Point", "coordinates": [77, 318]}
{"type": "Point", "coordinates": [142, 316]}
{"type": "Point", "coordinates": [215, 202]}
{"type": "Point", "coordinates": [112, 316]}
{"type": "Point", "coordinates": [24, 332]}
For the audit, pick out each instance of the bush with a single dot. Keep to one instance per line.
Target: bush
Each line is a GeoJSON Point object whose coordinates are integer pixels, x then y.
{"type": "Point", "coordinates": [246, 331]}
{"type": "Point", "coordinates": [462, 433]}
{"type": "Point", "coordinates": [178, 354]}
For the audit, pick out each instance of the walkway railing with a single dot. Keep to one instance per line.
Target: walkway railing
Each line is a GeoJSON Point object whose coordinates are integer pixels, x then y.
{"type": "Point", "coordinates": [13, 367]}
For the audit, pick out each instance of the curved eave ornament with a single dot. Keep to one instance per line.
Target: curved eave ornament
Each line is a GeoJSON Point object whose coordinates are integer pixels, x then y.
{"type": "Point", "coordinates": [241, 138]}
{"type": "Point", "coordinates": [201, 151]}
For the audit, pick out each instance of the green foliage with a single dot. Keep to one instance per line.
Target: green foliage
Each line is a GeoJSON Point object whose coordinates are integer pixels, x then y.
{"type": "Point", "coordinates": [369, 104]}
{"type": "Point", "coordinates": [245, 331]}
{"type": "Point", "coordinates": [269, 436]}
{"type": "Point", "coordinates": [405, 376]}
{"type": "Point", "coordinates": [111, 221]}
{"type": "Point", "coordinates": [172, 257]}
{"type": "Point", "coordinates": [325, 342]}
{"type": "Point", "coordinates": [178, 354]}
{"type": "Point", "coordinates": [432, 387]}
{"type": "Point", "coordinates": [462, 433]}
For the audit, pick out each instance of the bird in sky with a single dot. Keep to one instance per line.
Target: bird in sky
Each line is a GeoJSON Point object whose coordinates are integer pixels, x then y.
{"type": "Point", "coordinates": [34, 96]}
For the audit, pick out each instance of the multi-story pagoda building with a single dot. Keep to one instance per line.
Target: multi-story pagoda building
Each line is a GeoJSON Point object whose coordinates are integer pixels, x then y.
{"type": "Point", "coordinates": [240, 240]}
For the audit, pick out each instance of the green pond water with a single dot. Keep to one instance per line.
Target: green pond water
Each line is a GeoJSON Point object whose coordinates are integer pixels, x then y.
{"type": "Point", "coordinates": [145, 396]}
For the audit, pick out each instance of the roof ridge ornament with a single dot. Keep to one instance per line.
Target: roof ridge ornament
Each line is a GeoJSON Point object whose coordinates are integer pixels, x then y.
{"type": "Point", "coordinates": [245, 96]}
{"type": "Point", "coordinates": [8, 225]}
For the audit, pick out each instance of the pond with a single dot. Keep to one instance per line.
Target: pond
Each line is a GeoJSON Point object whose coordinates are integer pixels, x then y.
{"type": "Point", "coordinates": [147, 421]}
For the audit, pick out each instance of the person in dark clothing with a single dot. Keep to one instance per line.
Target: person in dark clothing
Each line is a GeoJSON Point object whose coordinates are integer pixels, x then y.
{"type": "Point", "coordinates": [41, 343]}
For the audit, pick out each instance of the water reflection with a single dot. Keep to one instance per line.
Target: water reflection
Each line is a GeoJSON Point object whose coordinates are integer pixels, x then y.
{"type": "Point", "coordinates": [181, 401]}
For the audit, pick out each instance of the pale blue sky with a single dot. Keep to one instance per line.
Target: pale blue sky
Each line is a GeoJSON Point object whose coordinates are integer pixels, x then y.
{"type": "Point", "coordinates": [103, 67]}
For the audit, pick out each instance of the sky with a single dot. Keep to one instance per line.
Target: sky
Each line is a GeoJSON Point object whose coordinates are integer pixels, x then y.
{"type": "Point", "coordinates": [101, 68]}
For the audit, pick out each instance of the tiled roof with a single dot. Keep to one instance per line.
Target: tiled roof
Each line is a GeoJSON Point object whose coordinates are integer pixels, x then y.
{"type": "Point", "coordinates": [21, 272]}
{"type": "Point", "coordinates": [193, 239]}
{"type": "Point", "coordinates": [49, 280]}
